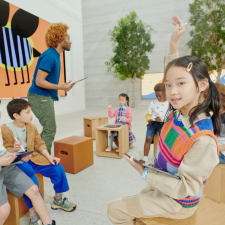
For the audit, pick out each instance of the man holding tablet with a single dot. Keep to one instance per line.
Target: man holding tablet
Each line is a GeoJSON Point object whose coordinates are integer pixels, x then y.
{"type": "Point", "coordinates": [45, 85]}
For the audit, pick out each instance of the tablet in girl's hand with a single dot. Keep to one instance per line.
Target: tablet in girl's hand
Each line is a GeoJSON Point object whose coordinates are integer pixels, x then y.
{"type": "Point", "coordinates": [135, 160]}
{"type": "Point", "coordinates": [150, 167]}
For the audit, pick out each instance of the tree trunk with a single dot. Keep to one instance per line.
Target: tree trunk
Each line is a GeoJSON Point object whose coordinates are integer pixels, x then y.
{"type": "Point", "coordinates": [220, 72]}
{"type": "Point", "coordinates": [133, 91]}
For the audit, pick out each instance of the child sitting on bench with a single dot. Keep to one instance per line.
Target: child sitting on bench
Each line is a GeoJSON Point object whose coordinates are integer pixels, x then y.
{"type": "Point", "coordinates": [187, 145]}
{"type": "Point", "coordinates": [18, 183]}
{"type": "Point", "coordinates": [41, 162]}
{"type": "Point", "coordinates": [122, 116]}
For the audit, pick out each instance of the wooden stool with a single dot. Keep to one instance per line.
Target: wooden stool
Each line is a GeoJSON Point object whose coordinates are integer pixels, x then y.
{"type": "Point", "coordinates": [102, 141]}
{"type": "Point", "coordinates": [215, 185]}
{"type": "Point", "coordinates": [91, 123]}
{"type": "Point", "coordinates": [156, 141]}
{"type": "Point", "coordinates": [208, 212]}
{"type": "Point", "coordinates": [18, 206]}
{"type": "Point", "coordinates": [76, 153]}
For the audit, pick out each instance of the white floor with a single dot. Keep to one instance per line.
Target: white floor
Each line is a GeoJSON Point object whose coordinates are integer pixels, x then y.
{"type": "Point", "coordinates": [93, 188]}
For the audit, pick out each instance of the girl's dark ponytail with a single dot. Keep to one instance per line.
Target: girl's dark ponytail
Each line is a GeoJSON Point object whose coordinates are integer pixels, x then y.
{"type": "Point", "coordinates": [212, 103]}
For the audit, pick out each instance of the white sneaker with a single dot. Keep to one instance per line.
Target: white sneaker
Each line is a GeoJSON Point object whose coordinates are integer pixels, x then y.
{"type": "Point", "coordinates": [39, 222]}
{"type": "Point", "coordinates": [117, 150]}
{"type": "Point", "coordinates": [108, 149]}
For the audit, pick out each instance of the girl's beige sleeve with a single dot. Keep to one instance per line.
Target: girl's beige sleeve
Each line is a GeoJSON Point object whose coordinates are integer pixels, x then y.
{"type": "Point", "coordinates": [196, 166]}
{"type": "Point", "coordinates": [169, 58]}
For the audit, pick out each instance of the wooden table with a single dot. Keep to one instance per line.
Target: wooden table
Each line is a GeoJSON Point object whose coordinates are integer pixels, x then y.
{"type": "Point", "coordinates": [102, 141]}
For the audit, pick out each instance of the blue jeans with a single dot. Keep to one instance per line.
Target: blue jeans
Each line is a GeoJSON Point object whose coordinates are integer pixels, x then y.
{"type": "Point", "coordinates": [55, 172]}
{"type": "Point", "coordinates": [151, 129]}
{"type": "Point", "coordinates": [222, 157]}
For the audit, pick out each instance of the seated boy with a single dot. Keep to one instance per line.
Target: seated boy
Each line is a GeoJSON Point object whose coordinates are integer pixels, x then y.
{"type": "Point", "coordinates": [156, 112]}
{"type": "Point", "coordinates": [41, 162]}
{"type": "Point", "coordinates": [17, 182]}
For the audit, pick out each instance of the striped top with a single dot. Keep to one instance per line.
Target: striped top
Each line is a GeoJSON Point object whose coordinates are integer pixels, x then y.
{"type": "Point", "coordinates": [174, 142]}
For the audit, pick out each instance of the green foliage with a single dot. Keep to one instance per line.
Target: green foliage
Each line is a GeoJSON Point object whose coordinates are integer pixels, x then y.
{"type": "Point", "coordinates": [208, 35]}
{"type": "Point", "coordinates": [131, 40]}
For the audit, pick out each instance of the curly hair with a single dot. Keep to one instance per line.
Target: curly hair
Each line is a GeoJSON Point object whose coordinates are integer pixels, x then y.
{"type": "Point", "coordinates": [159, 87]}
{"type": "Point", "coordinates": [55, 34]}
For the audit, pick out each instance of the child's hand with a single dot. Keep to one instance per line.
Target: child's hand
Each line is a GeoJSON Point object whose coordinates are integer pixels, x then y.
{"type": "Point", "coordinates": [26, 158]}
{"type": "Point", "coordinates": [17, 145]}
{"type": "Point", "coordinates": [110, 105]}
{"type": "Point", "coordinates": [136, 165]}
{"type": "Point", "coordinates": [122, 119]}
{"type": "Point", "coordinates": [54, 160]}
{"type": "Point", "coordinates": [176, 35]}
{"type": "Point", "coordinates": [150, 122]}
{"type": "Point", "coordinates": [6, 160]}
{"type": "Point", "coordinates": [158, 119]}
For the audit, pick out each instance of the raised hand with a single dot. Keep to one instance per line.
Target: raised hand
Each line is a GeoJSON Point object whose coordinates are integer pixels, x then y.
{"type": "Point", "coordinates": [110, 105]}
{"type": "Point", "coordinates": [176, 35]}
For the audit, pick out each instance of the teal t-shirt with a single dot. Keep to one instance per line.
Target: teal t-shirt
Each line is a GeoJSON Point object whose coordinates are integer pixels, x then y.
{"type": "Point", "coordinates": [48, 61]}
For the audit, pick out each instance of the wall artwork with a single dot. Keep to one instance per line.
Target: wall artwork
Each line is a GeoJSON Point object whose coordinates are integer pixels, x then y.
{"type": "Point", "coordinates": [149, 80]}
{"type": "Point", "coordinates": [21, 43]}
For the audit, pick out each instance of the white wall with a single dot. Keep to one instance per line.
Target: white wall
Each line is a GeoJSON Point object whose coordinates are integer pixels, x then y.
{"type": "Point", "coordinates": [101, 16]}
{"type": "Point", "coordinates": [69, 12]}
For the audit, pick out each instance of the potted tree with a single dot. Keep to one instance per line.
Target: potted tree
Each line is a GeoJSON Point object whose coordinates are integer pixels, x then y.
{"type": "Point", "coordinates": [131, 41]}
{"type": "Point", "coordinates": [208, 34]}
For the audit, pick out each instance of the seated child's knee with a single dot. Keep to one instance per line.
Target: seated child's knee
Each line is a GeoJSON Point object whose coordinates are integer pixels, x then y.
{"type": "Point", "coordinates": [148, 139]}
{"type": "Point", "coordinates": [34, 191]}
{"type": "Point", "coordinates": [111, 209]}
{"type": "Point", "coordinates": [5, 210]}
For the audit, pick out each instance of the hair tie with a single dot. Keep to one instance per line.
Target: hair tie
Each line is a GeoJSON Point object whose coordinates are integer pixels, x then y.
{"type": "Point", "coordinates": [189, 67]}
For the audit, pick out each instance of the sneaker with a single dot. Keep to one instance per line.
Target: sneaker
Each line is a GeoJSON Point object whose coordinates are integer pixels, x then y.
{"type": "Point", "coordinates": [117, 150]}
{"type": "Point", "coordinates": [39, 222]}
{"type": "Point", "coordinates": [63, 204]}
{"type": "Point", "coordinates": [53, 222]}
{"type": "Point", "coordinates": [108, 149]}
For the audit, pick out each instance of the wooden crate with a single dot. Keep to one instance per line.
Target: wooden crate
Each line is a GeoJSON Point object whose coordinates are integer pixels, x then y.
{"type": "Point", "coordinates": [208, 212]}
{"type": "Point", "coordinates": [76, 153]}
{"type": "Point", "coordinates": [156, 141]}
{"type": "Point", "coordinates": [102, 141]}
{"type": "Point", "coordinates": [18, 206]}
{"type": "Point", "coordinates": [91, 123]}
{"type": "Point", "coordinates": [215, 185]}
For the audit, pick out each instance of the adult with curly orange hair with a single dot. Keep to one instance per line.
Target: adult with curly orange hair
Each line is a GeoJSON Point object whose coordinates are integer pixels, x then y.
{"type": "Point", "coordinates": [45, 85]}
{"type": "Point", "coordinates": [42, 94]}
